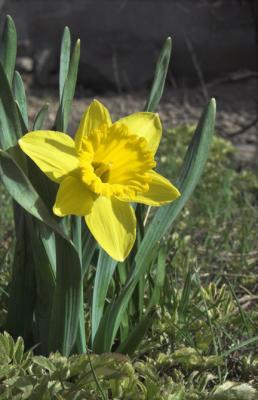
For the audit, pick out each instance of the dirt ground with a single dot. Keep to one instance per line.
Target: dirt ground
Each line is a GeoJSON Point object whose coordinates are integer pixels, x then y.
{"type": "Point", "coordinates": [237, 106]}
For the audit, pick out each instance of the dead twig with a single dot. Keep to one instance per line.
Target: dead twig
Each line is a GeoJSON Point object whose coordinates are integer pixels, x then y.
{"type": "Point", "coordinates": [244, 128]}
{"type": "Point", "coordinates": [233, 77]}
{"type": "Point", "coordinates": [197, 68]}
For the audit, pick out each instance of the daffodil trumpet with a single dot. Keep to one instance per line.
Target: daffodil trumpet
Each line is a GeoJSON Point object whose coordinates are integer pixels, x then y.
{"type": "Point", "coordinates": [105, 168]}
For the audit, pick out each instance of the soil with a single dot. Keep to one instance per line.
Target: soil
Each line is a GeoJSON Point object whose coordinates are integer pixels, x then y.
{"type": "Point", "coordinates": [236, 98]}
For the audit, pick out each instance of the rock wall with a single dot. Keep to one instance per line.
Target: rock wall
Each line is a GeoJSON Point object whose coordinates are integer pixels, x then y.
{"type": "Point", "coordinates": [121, 38]}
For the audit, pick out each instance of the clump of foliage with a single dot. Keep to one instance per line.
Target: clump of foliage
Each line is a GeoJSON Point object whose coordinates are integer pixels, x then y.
{"type": "Point", "coordinates": [25, 376]}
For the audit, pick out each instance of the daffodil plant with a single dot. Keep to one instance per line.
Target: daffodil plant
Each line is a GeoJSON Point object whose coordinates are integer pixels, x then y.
{"type": "Point", "coordinates": [84, 242]}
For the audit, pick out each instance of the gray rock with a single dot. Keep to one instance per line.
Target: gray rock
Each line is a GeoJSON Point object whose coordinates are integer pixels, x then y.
{"type": "Point", "coordinates": [24, 64]}
{"type": "Point", "coordinates": [121, 39]}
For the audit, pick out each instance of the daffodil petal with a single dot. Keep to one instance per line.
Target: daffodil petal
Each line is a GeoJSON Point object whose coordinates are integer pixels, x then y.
{"type": "Point", "coordinates": [160, 192]}
{"type": "Point", "coordinates": [95, 116]}
{"type": "Point", "coordinates": [53, 152]}
{"type": "Point", "coordinates": [144, 124]}
{"type": "Point", "coordinates": [73, 198]}
{"type": "Point", "coordinates": [113, 224]}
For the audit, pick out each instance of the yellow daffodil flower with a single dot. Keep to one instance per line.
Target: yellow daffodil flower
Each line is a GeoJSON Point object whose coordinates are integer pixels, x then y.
{"type": "Point", "coordinates": [107, 166]}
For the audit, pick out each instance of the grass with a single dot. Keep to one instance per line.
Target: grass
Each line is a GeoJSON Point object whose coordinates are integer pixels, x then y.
{"type": "Point", "coordinates": [213, 267]}
{"type": "Point", "coordinates": [6, 241]}
{"type": "Point", "coordinates": [203, 343]}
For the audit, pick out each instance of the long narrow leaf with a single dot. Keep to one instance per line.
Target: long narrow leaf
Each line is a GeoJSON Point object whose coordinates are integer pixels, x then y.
{"type": "Point", "coordinates": [185, 296]}
{"type": "Point", "coordinates": [76, 228]}
{"type": "Point", "coordinates": [8, 48]}
{"type": "Point", "coordinates": [160, 76]}
{"type": "Point", "coordinates": [137, 334]}
{"type": "Point", "coordinates": [239, 346]}
{"type": "Point", "coordinates": [21, 190]}
{"type": "Point", "coordinates": [104, 272]}
{"type": "Point", "coordinates": [20, 96]}
{"type": "Point", "coordinates": [67, 323]}
{"type": "Point", "coordinates": [89, 245]}
{"type": "Point", "coordinates": [189, 176]}
{"type": "Point", "coordinates": [67, 298]}
{"type": "Point", "coordinates": [22, 293]}
{"type": "Point", "coordinates": [45, 282]}
{"type": "Point", "coordinates": [80, 345]}
{"type": "Point", "coordinates": [11, 123]}
{"type": "Point", "coordinates": [49, 242]}
{"type": "Point", "coordinates": [40, 118]}
{"type": "Point", "coordinates": [68, 91]}
{"type": "Point", "coordinates": [159, 279]}
{"type": "Point", "coordinates": [24, 127]}
{"type": "Point", "coordinates": [64, 60]}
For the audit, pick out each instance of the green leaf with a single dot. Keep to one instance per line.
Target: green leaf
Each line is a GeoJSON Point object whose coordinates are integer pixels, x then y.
{"type": "Point", "coordinates": [76, 229]}
{"type": "Point", "coordinates": [68, 91]}
{"type": "Point", "coordinates": [89, 246]}
{"type": "Point", "coordinates": [67, 297]}
{"type": "Point", "coordinates": [44, 363]}
{"type": "Point", "coordinates": [11, 124]}
{"type": "Point", "coordinates": [19, 350]}
{"type": "Point", "coordinates": [159, 279]}
{"type": "Point", "coordinates": [185, 296]}
{"type": "Point", "coordinates": [240, 345]}
{"type": "Point", "coordinates": [104, 272]}
{"type": "Point", "coordinates": [24, 127]}
{"type": "Point", "coordinates": [6, 347]}
{"type": "Point", "coordinates": [137, 334]}
{"type": "Point", "coordinates": [8, 48]}
{"type": "Point", "coordinates": [80, 346]}
{"type": "Point", "coordinates": [40, 118]}
{"type": "Point", "coordinates": [234, 391]}
{"type": "Point", "coordinates": [189, 176]}
{"type": "Point", "coordinates": [140, 292]}
{"type": "Point", "coordinates": [20, 97]}
{"type": "Point", "coordinates": [64, 60]}
{"type": "Point", "coordinates": [125, 324]}
{"type": "Point", "coordinates": [49, 242]}
{"type": "Point", "coordinates": [21, 190]}
{"type": "Point", "coordinates": [22, 293]}
{"type": "Point", "coordinates": [47, 189]}
{"type": "Point", "coordinates": [46, 282]}
{"type": "Point", "coordinates": [160, 76]}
